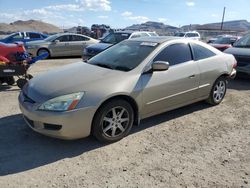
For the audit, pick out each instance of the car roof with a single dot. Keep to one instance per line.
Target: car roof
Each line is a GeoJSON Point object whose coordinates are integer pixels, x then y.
{"type": "Point", "coordinates": [156, 39]}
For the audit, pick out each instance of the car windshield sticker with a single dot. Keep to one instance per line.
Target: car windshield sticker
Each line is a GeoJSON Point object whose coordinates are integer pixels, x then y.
{"type": "Point", "coordinates": [125, 35]}
{"type": "Point", "coordinates": [149, 44]}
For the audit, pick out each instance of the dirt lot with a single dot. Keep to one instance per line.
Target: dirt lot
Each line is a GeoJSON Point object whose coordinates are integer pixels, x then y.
{"type": "Point", "coordinates": [195, 146]}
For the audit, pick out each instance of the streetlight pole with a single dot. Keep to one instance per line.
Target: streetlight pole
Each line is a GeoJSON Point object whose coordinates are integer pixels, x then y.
{"type": "Point", "coordinates": [223, 17]}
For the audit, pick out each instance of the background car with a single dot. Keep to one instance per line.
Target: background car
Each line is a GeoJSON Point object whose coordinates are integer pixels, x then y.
{"type": "Point", "coordinates": [23, 37]}
{"type": "Point", "coordinates": [63, 44]}
{"type": "Point", "coordinates": [190, 34]}
{"type": "Point", "coordinates": [224, 42]}
{"type": "Point", "coordinates": [132, 80]}
{"type": "Point", "coordinates": [241, 51]}
{"type": "Point", "coordinates": [114, 38]}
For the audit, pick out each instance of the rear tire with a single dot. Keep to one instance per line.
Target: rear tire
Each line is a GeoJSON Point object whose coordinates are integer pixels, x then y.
{"type": "Point", "coordinates": [218, 91]}
{"type": "Point", "coordinates": [113, 121]}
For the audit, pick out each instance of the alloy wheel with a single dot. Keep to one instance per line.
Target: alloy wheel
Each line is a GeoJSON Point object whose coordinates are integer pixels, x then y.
{"type": "Point", "coordinates": [219, 91]}
{"type": "Point", "coordinates": [115, 122]}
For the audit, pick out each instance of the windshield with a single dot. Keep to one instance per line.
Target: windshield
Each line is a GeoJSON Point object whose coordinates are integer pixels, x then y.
{"type": "Point", "coordinates": [51, 38]}
{"type": "Point", "coordinates": [243, 42]}
{"type": "Point", "coordinates": [124, 56]}
{"type": "Point", "coordinates": [153, 34]}
{"type": "Point", "coordinates": [223, 40]}
{"type": "Point", "coordinates": [179, 34]}
{"type": "Point", "coordinates": [114, 38]}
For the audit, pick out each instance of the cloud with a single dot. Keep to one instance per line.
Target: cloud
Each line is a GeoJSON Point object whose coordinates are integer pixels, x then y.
{"type": "Point", "coordinates": [103, 17]}
{"type": "Point", "coordinates": [127, 13]}
{"type": "Point", "coordinates": [55, 14]}
{"type": "Point", "coordinates": [129, 16]}
{"type": "Point", "coordinates": [96, 5]}
{"type": "Point", "coordinates": [214, 15]}
{"type": "Point", "coordinates": [163, 20]}
{"type": "Point", "coordinates": [82, 5]}
{"type": "Point", "coordinates": [65, 7]}
{"type": "Point", "coordinates": [190, 3]}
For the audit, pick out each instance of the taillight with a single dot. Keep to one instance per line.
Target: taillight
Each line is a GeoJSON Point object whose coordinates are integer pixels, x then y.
{"type": "Point", "coordinates": [235, 64]}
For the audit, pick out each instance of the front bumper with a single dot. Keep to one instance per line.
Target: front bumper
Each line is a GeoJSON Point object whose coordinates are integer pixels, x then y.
{"type": "Point", "coordinates": [64, 125]}
{"type": "Point", "coordinates": [32, 51]}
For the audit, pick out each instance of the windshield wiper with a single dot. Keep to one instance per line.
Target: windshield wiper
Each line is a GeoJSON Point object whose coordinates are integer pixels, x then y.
{"type": "Point", "coordinates": [122, 68]}
{"type": "Point", "coordinates": [103, 65]}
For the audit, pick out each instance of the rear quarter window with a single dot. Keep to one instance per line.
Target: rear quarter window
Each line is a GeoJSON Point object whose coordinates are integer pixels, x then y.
{"type": "Point", "coordinates": [201, 52]}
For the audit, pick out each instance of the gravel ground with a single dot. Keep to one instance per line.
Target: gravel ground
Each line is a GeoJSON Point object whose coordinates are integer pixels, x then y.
{"type": "Point", "coordinates": [195, 146]}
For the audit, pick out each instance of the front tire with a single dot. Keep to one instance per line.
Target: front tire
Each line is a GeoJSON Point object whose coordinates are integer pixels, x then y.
{"type": "Point", "coordinates": [42, 51]}
{"type": "Point", "coordinates": [218, 91]}
{"type": "Point", "coordinates": [113, 121]}
{"type": "Point", "coordinates": [10, 80]}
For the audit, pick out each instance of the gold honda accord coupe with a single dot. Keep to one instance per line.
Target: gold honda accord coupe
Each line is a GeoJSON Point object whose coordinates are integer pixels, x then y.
{"type": "Point", "coordinates": [130, 81]}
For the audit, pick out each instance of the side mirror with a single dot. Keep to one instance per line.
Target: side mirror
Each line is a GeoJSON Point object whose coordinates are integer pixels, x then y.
{"type": "Point", "coordinates": [160, 66]}
{"type": "Point", "coordinates": [56, 41]}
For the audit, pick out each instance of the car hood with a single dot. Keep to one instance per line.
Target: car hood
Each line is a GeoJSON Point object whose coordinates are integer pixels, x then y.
{"type": "Point", "coordinates": [99, 46]}
{"type": "Point", "coordinates": [238, 51]}
{"type": "Point", "coordinates": [77, 77]}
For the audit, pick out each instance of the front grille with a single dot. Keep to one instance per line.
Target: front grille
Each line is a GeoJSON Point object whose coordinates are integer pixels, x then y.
{"type": "Point", "coordinates": [242, 60]}
{"type": "Point", "coordinates": [31, 123]}
{"type": "Point", "coordinates": [27, 99]}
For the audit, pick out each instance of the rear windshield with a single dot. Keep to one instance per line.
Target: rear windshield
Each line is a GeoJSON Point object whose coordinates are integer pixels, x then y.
{"type": "Point", "coordinates": [114, 38]}
{"type": "Point", "coordinates": [243, 42]}
{"type": "Point", "coordinates": [179, 34]}
{"type": "Point", "coordinates": [124, 56]}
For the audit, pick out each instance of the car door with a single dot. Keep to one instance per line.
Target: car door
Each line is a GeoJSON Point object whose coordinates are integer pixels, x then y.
{"type": "Point", "coordinates": [208, 66]}
{"type": "Point", "coordinates": [34, 36]}
{"type": "Point", "coordinates": [172, 88]}
{"type": "Point", "coordinates": [77, 44]}
{"type": "Point", "coordinates": [60, 47]}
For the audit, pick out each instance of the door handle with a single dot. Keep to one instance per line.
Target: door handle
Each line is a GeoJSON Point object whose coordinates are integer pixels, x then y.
{"type": "Point", "coordinates": [192, 76]}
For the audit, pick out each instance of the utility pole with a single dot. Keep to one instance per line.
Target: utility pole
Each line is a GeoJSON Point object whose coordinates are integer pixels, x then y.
{"type": "Point", "coordinates": [223, 17]}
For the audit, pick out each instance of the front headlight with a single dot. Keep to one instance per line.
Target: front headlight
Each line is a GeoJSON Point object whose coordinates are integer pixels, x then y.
{"type": "Point", "coordinates": [62, 103]}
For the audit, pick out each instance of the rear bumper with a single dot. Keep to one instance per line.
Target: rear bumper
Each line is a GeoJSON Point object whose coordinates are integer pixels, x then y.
{"type": "Point", "coordinates": [233, 74]}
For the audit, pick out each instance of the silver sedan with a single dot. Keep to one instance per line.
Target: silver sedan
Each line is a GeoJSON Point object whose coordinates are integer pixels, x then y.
{"type": "Point", "coordinates": [117, 88]}
{"type": "Point", "coordinates": [62, 44]}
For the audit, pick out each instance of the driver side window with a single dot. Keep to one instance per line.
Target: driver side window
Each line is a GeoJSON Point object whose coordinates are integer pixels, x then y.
{"type": "Point", "coordinates": [64, 38]}
{"type": "Point", "coordinates": [175, 54]}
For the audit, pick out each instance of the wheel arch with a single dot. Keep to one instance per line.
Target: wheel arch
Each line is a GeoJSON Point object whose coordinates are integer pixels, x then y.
{"type": "Point", "coordinates": [128, 99]}
{"type": "Point", "coordinates": [43, 48]}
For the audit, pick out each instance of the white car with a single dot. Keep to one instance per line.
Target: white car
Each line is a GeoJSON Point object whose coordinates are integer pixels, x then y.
{"type": "Point", "coordinates": [190, 34]}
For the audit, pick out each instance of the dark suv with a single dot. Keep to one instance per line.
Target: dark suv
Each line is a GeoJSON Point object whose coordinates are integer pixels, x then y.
{"type": "Point", "coordinates": [111, 39]}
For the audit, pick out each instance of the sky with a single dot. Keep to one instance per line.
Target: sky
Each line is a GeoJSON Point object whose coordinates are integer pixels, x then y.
{"type": "Point", "coordinates": [122, 13]}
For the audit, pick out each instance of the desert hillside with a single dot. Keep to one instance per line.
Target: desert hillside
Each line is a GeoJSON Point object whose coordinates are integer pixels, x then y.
{"type": "Point", "coordinates": [30, 25]}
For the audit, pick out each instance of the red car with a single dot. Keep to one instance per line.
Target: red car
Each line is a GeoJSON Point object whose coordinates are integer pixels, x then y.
{"type": "Point", "coordinates": [13, 62]}
{"type": "Point", "coordinates": [224, 42]}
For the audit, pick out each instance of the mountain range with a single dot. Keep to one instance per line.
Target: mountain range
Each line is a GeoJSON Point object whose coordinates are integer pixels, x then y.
{"type": "Point", "coordinates": [160, 28]}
